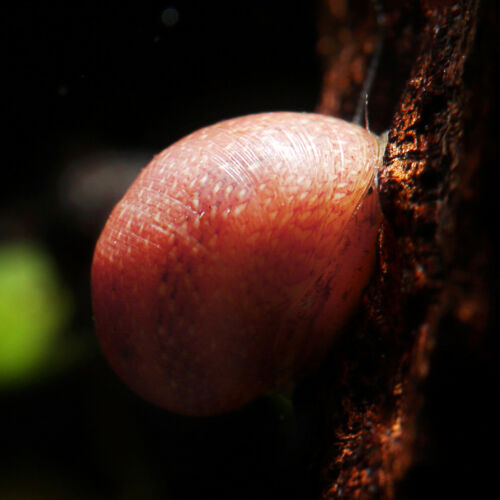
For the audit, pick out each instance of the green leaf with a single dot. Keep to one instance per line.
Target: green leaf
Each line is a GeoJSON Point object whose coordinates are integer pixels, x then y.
{"type": "Point", "coordinates": [34, 310]}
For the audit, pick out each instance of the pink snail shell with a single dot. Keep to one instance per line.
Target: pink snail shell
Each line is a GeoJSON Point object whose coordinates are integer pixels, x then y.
{"type": "Point", "coordinates": [234, 258]}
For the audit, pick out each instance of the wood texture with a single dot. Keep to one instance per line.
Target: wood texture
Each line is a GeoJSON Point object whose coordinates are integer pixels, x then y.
{"type": "Point", "coordinates": [404, 400]}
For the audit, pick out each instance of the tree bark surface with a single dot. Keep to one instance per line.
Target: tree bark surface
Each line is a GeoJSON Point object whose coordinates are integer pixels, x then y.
{"type": "Point", "coordinates": [405, 400]}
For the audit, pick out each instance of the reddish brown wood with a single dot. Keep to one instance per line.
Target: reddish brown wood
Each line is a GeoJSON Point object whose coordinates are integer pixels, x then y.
{"type": "Point", "coordinates": [387, 433]}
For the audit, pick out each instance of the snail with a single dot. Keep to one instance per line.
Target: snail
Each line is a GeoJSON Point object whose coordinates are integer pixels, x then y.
{"type": "Point", "coordinates": [236, 256]}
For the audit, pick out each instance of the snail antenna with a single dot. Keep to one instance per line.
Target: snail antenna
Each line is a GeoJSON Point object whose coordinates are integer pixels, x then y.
{"type": "Point", "coordinates": [361, 108]}
{"type": "Point", "coordinates": [367, 122]}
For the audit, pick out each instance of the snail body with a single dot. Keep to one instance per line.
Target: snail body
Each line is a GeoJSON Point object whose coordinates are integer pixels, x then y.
{"type": "Point", "coordinates": [235, 257]}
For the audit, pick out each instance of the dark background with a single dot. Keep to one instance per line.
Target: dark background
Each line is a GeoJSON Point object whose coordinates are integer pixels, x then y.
{"type": "Point", "coordinates": [87, 80]}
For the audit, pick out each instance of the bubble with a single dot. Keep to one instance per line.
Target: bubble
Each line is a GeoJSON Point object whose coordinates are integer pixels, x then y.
{"type": "Point", "coordinates": [170, 17]}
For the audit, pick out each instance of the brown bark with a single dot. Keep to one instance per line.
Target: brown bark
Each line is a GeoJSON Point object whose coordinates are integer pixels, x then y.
{"type": "Point", "coordinates": [404, 398]}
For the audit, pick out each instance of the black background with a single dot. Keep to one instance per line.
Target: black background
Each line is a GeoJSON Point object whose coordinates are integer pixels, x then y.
{"type": "Point", "coordinates": [91, 76]}
{"type": "Point", "coordinates": [113, 74]}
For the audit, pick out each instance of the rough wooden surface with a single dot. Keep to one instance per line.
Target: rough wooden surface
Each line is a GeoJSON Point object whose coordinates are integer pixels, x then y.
{"type": "Point", "coordinates": [404, 399]}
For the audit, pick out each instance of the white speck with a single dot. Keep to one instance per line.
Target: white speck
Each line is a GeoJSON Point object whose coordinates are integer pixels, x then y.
{"type": "Point", "coordinates": [237, 210]}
